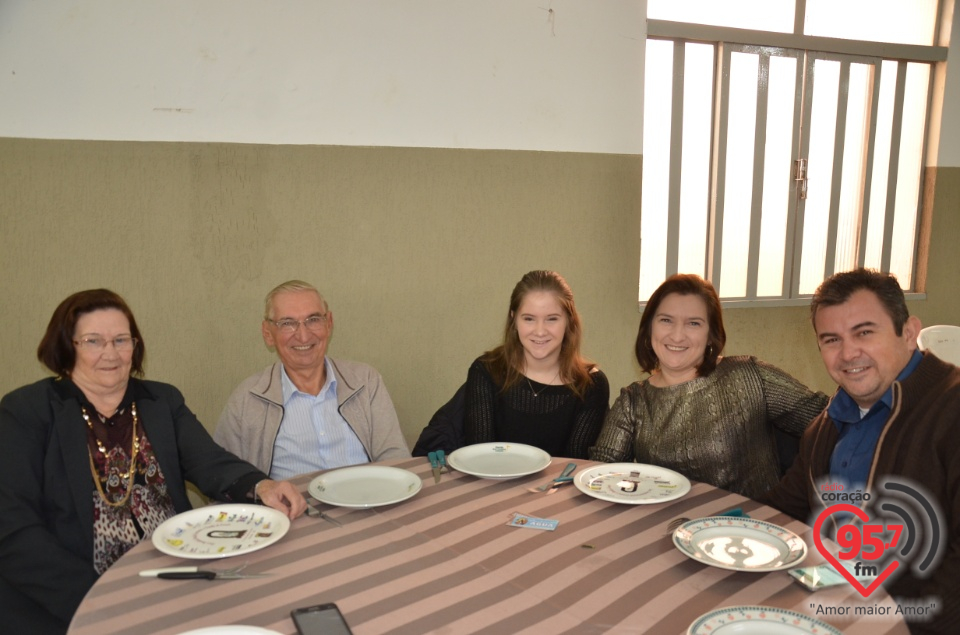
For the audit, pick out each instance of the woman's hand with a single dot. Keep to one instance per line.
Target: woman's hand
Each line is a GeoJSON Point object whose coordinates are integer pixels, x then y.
{"type": "Point", "coordinates": [282, 496]}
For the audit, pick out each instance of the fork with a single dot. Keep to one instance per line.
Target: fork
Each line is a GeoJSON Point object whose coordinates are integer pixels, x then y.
{"type": "Point", "coordinates": [676, 523]}
{"type": "Point", "coordinates": [313, 512]}
{"type": "Point", "coordinates": [564, 476]}
{"type": "Point", "coordinates": [558, 483]}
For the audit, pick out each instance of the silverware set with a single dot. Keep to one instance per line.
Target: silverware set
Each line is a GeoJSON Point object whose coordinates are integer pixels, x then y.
{"type": "Point", "coordinates": [551, 486]}
{"type": "Point", "coordinates": [438, 462]}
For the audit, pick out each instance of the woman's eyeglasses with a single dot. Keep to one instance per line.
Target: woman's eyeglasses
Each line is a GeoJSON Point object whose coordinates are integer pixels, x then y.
{"type": "Point", "coordinates": [121, 344]}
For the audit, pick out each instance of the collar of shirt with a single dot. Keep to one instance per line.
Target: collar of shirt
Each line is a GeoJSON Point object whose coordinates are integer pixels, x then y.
{"type": "Point", "coordinates": [843, 409]}
{"type": "Point", "coordinates": [329, 387]}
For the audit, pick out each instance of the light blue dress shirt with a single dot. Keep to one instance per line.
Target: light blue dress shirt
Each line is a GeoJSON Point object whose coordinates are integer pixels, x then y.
{"type": "Point", "coordinates": [313, 434]}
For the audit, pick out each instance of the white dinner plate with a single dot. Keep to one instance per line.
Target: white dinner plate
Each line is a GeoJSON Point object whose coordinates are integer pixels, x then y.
{"type": "Point", "coordinates": [740, 544]}
{"type": "Point", "coordinates": [632, 483]}
{"type": "Point", "coordinates": [499, 460]}
{"type": "Point", "coordinates": [365, 486]}
{"type": "Point", "coordinates": [233, 629]}
{"type": "Point", "coordinates": [220, 531]}
{"type": "Point", "coordinates": [758, 620]}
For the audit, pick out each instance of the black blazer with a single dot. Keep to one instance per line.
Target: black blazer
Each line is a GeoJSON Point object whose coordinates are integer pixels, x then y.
{"type": "Point", "coordinates": [46, 488]}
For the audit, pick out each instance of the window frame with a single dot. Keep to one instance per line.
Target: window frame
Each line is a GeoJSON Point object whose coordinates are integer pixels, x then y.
{"type": "Point", "coordinates": [934, 55]}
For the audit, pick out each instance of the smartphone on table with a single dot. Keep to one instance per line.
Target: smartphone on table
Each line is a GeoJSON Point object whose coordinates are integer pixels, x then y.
{"type": "Point", "coordinates": [322, 619]}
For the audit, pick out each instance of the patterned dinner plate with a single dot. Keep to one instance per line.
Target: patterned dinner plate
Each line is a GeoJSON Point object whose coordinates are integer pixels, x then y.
{"type": "Point", "coordinates": [499, 460]}
{"type": "Point", "coordinates": [741, 544]}
{"type": "Point", "coordinates": [758, 620]}
{"type": "Point", "coordinates": [365, 486]}
{"type": "Point", "coordinates": [220, 531]}
{"type": "Point", "coordinates": [631, 483]}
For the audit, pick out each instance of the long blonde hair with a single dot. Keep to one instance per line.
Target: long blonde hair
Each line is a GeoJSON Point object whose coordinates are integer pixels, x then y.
{"type": "Point", "coordinates": [506, 362]}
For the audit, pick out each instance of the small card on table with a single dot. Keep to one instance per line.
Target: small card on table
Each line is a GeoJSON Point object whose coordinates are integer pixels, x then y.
{"type": "Point", "coordinates": [532, 522]}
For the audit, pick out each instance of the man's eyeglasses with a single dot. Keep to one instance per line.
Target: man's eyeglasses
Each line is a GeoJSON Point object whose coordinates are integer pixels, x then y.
{"type": "Point", "coordinates": [313, 323]}
{"type": "Point", "coordinates": [122, 344]}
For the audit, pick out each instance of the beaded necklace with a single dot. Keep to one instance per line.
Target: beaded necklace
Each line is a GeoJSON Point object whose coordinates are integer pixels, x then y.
{"type": "Point", "coordinates": [128, 476]}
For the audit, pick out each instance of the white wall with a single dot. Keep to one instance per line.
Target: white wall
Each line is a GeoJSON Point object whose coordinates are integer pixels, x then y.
{"type": "Point", "coordinates": [556, 75]}
{"type": "Point", "coordinates": [562, 75]}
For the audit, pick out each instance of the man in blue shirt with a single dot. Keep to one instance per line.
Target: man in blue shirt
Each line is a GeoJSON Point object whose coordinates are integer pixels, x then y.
{"type": "Point", "coordinates": [895, 417]}
{"type": "Point", "coordinates": [308, 412]}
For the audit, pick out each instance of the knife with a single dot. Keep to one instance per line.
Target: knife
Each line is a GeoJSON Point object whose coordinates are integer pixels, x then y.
{"type": "Point", "coordinates": [435, 464]}
{"type": "Point", "coordinates": [196, 573]}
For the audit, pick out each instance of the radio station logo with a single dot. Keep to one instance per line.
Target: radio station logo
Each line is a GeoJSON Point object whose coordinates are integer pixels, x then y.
{"type": "Point", "coordinates": [879, 537]}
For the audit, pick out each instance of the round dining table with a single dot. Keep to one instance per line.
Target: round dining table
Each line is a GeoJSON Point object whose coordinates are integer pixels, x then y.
{"type": "Point", "coordinates": [447, 560]}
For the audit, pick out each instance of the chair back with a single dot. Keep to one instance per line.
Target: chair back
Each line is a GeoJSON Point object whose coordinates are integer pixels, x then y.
{"type": "Point", "coordinates": [943, 341]}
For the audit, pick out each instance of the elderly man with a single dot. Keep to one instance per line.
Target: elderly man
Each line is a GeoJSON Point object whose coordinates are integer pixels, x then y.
{"type": "Point", "coordinates": [895, 415]}
{"type": "Point", "coordinates": [308, 412]}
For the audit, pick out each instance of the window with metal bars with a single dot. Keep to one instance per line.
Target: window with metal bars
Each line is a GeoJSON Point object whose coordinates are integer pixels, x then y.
{"type": "Point", "coordinates": [772, 160]}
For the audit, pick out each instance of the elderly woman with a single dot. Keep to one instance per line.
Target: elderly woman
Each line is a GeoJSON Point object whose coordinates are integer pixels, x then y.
{"type": "Point", "coordinates": [712, 419]}
{"type": "Point", "coordinates": [536, 388]}
{"type": "Point", "coordinates": [93, 460]}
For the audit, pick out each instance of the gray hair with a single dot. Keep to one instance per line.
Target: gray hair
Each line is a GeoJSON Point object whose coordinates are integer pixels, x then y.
{"type": "Point", "coordinates": [290, 286]}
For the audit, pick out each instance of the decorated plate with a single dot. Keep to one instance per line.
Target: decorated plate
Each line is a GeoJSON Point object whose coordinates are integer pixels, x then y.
{"type": "Point", "coordinates": [365, 486]}
{"type": "Point", "coordinates": [741, 544]}
{"type": "Point", "coordinates": [499, 460]}
{"type": "Point", "coordinates": [758, 620]}
{"type": "Point", "coordinates": [631, 483]}
{"type": "Point", "coordinates": [220, 531]}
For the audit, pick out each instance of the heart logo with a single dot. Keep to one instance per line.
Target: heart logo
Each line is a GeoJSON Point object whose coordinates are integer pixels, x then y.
{"type": "Point", "coordinates": [818, 541]}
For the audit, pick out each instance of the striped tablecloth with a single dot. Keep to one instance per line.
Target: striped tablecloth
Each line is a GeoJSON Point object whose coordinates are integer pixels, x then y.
{"type": "Point", "coordinates": [445, 561]}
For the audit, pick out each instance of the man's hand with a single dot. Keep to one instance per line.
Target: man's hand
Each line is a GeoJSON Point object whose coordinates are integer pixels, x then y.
{"type": "Point", "coordinates": [282, 496]}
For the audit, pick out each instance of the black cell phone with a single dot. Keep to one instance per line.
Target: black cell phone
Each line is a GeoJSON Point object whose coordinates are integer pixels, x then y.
{"type": "Point", "coordinates": [323, 619]}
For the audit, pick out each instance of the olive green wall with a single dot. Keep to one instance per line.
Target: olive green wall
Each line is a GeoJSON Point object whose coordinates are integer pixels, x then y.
{"type": "Point", "coordinates": [416, 251]}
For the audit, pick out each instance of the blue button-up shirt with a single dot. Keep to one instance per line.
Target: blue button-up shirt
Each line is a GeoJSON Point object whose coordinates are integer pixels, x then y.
{"type": "Point", "coordinates": [860, 432]}
{"type": "Point", "coordinates": [313, 434]}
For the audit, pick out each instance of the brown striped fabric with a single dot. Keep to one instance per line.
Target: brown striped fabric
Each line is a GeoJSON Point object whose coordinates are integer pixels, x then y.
{"type": "Point", "coordinates": [445, 561]}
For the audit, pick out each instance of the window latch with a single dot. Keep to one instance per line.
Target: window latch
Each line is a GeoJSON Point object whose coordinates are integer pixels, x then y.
{"type": "Point", "coordinates": [800, 177]}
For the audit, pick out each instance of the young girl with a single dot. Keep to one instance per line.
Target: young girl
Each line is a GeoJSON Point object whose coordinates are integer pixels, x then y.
{"type": "Point", "coordinates": [536, 388]}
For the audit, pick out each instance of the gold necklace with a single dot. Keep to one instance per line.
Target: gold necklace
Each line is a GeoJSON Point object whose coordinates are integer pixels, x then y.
{"type": "Point", "coordinates": [537, 394]}
{"type": "Point", "coordinates": [128, 476]}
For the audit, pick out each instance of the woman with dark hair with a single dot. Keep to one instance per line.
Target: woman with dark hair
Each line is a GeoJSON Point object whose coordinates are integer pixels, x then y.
{"type": "Point", "coordinates": [536, 388]}
{"type": "Point", "coordinates": [93, 460]}
{"type": "Point", "coordinates": [714, 419]}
